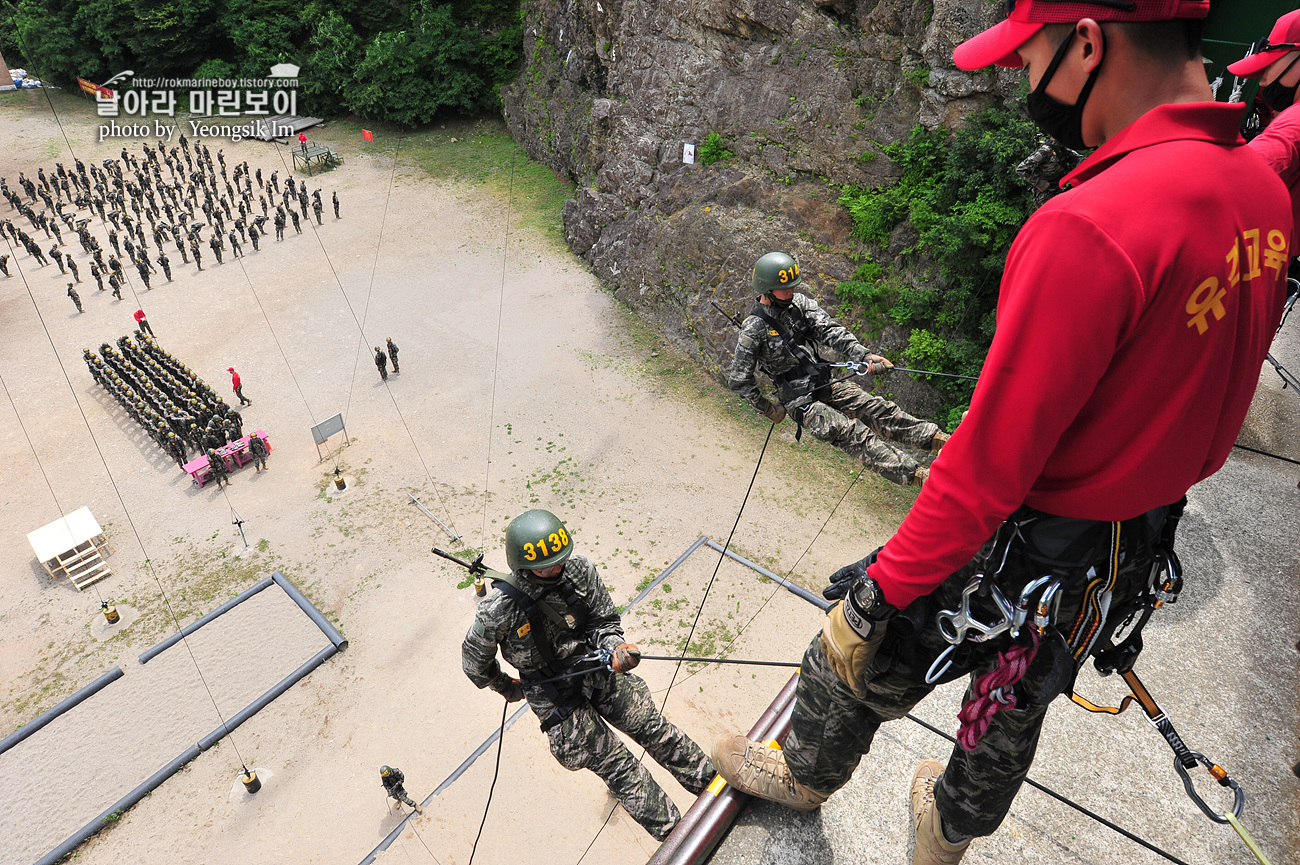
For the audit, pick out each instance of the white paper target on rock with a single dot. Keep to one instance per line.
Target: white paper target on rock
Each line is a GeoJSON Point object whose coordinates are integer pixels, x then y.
{"type": "Point", "coordinates": [688, 154]}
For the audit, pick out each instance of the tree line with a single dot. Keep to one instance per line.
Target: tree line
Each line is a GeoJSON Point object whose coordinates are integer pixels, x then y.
{"type": "Point", "coordinates": [400, 61]}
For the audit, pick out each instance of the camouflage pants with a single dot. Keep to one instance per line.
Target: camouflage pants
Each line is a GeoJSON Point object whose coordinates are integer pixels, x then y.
{"type": "Point", "coordinates": [585, 741]}
{"type": "Point", "coordinates": [399, 793]}
{"type": "Point", "coordinates": [855, 421]}
{"type": "Point", "coordinates": [833, 727]}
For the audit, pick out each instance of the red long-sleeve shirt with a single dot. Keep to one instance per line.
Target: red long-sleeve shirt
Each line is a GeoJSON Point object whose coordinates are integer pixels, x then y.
{"type": "Point", "coordinates": [1279, 145]}
{"type": "Point", "coordinates": [234, 380]}
{"type": "Point", "coordinates": [1134, 315]}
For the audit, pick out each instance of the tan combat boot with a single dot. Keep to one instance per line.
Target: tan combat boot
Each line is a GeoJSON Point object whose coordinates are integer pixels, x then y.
{"type": "Point", "coordinates": [940, 439]}
{"type": "Point", "coordinates": [920, 477]}
{"type": "Point", "coordinates": [761, 771]}
{"type": "Point", "coordinates": [932, 848]}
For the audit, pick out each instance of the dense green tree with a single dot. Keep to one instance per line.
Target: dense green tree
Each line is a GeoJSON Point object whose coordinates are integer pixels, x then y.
{"type": "Point", "coordinates": [172, 37]}
{"type": "Point", "coordinates": [335, 51]}
{"type": "Point", "coordinates": [264, 32]}
{"type": "Point", "coordinates": [407, 75]}
{"type": "Point", "coordinates": [403, 60]}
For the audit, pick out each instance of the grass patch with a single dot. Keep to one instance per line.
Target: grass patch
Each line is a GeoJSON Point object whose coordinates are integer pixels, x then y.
{"type": "Point", "coordinates": [483, 156]}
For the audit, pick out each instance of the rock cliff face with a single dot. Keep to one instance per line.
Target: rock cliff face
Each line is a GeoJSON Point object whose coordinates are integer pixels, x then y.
{"type": "Point", "coordinates": [804, 93]}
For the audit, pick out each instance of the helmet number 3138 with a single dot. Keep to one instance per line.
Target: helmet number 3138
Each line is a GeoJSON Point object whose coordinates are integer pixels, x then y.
{"type": "Point", "coordinates": [547, 546]}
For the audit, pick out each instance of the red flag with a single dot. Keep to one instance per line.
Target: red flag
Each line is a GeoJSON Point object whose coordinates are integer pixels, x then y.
{"type": "Point", "coordinates": [367, 135]}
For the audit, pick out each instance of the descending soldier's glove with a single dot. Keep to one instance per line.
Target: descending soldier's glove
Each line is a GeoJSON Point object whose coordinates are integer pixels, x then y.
{"type": "Point", "coordinates": [625, 657]}
{"type": "Point", "coordinates": [877, 364]}
{"type": "Point", "coordinates": [508, 687]}
{"type": "Point", "coordinates": [775, 412]}
{"type": "Point", "coordinates": [843, 579]}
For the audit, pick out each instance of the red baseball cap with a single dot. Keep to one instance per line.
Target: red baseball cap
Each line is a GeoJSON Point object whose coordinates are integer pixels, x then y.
{"type": "Point", "coordinates": [997, 45]}
{"type": "Point", "coordinates": [230, 369]}
{"type": "Point", "coordinates": [1282, 40]}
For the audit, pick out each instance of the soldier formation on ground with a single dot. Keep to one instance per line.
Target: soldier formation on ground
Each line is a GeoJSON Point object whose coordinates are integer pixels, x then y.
{"type": "Point", "coordinates": [136, 202]}
{"type": "Point", "coordinates": [174, 405]}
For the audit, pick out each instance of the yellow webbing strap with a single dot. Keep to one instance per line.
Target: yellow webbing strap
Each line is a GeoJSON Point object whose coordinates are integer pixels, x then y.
{"type": "Point", "coordinates": [1093, 707]}
{"type": "Point", "coordinates": [1246, 839]}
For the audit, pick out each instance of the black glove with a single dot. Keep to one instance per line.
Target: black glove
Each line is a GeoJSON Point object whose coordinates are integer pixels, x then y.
{"type": "Point", "coordinates": [843, 579]}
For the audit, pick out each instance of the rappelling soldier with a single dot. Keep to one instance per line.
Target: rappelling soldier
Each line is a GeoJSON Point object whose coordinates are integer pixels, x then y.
{"type": "Point", "coordinates": [4, 265]}
{"type": "Point", "coordinates": [393, 780]}
{"type": "Point", "coordinates": [76, 298]}
{"type": "Point", "coordinates": [783, 335]}
{"type": "Point", "coordinates": [392, 354]}
{"type": "Point", "coordinates": [72, 266]}
{"type": "Point", "coordinates": [1044, 168]}
{"type": "Point", "coordinates": [546, 616]}
{"type": "Point", "coordinates": [166, 264]}
{"type": "Point", "coordinates": [381, 363]}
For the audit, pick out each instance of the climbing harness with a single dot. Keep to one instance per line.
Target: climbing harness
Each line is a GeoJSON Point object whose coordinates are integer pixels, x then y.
{"type": "Point", "coordinates": [1091, 634]}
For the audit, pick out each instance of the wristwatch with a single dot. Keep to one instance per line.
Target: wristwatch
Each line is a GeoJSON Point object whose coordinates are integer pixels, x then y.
{"type": "Point", "coordinates": [865, 607]}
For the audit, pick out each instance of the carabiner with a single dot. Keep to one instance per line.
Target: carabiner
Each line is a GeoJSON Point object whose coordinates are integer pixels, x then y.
{"type": "Point", "coordinates": [931, 676]}
{"type": "Point", "coordinates": [1218, 773]}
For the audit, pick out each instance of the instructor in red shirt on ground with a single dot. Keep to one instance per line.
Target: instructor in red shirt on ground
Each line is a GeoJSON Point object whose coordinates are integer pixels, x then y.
{"type": "Point", "coordinates": [1134, 315]}
{"type": "Point", "coordinates": [238, 385]}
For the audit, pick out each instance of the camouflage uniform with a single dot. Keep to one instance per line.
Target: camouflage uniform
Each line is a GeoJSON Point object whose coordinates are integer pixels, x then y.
{"type": "Point", "coordinates": [576, 713]}
{"type": "Point", "coordinates": [832, 727]}
{"type": "Point", "coordinates": [839, 412]}
{"type": "Point", "coordinates": [1044, 168]}
{"type": "Point", "coordinates": [394, 785]}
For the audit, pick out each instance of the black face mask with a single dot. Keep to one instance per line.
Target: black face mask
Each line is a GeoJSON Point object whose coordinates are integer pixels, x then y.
{"type": "Point", "coordinates": [1055, 118]}
{"type": "Point", "coordinates": [1278, 96]}
{"type": "Point", "coordinates": [777, 302]}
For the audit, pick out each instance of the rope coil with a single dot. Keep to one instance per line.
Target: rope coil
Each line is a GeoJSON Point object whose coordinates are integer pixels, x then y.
{"type": "Point", "coordinates": [995, 691]}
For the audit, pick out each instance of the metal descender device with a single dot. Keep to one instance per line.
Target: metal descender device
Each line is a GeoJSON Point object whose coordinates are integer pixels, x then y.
{"type": "Point", "coordinates": [957, 626]}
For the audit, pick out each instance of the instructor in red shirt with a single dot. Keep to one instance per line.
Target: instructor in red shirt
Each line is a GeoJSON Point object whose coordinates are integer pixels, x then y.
{"type": "Point", "coordinates": [238, 385]}
{"type": "Point", "coordinates": [1135, 312]}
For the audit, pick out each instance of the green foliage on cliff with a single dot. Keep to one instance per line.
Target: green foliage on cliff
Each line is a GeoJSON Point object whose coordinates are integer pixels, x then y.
{"type": "Point", "coordinates": [964, 202]}
{"type": "Point", "coordinates": [402, 62]}
{"type": "Point", "coordinates": [713, 149]}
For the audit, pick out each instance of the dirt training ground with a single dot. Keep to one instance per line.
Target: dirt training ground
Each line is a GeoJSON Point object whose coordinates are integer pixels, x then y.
{"type": "Point", "coordinates": [509, 348]}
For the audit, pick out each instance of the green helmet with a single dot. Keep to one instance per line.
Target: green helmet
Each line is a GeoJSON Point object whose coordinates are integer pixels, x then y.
{"type": "Point", "coordinates": [776, 270]}
{"type": "Point", "coordinates": [385, 771]}
{"type": "Point", "coordinates": [536, 540]}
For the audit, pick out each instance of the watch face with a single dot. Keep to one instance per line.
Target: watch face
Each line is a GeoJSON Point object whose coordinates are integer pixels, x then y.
{"type": "Point", "coordinates": [866, 593]}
